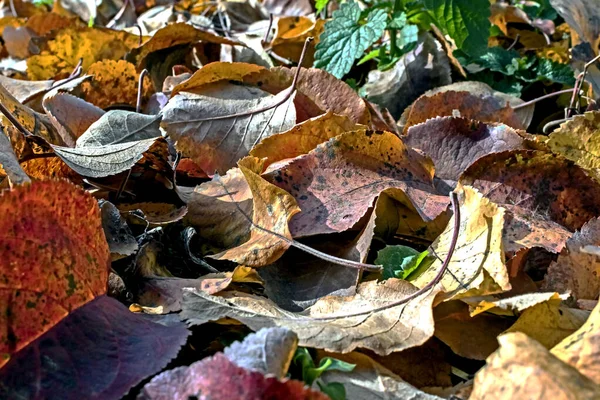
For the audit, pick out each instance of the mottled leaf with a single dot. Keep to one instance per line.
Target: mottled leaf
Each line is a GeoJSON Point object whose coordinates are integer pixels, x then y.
{"type": "Point", "coordinates": [338, 181]}
{"type": "Point", "coordinates": [323, 325]}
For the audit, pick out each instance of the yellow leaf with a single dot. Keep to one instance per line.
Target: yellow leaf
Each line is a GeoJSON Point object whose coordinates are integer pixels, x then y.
{"type": "Point", "coordinates": [477, 266]}
{"type": "Point", "coordinates": [215, 72]}
{"type": "Point", "coordinates": [72, 44]}
{"type": "Point", "coordinates": [581, 349]}
{"type": "Point", "coordinates": [270, 236]}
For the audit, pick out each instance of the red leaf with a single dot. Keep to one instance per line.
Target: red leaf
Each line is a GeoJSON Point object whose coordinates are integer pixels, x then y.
{"type": "Point", "coordinates": [217, 378]}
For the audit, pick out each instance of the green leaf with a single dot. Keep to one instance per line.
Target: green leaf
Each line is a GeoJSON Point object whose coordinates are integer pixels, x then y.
{"type": "Point", "coordinates": [398, 21]}
{"type": "Point", "coordinates": [465, 21]}
{"type": "Point", "coordinates": [305, 361]}
{"type": "Point", "coordinates": [400, 261]}
{"type": "Point", "coordinates": [320, 5]}
{"type": "Point", "coordinates": [556, 72]}
{"type": "Point", "coordinates": [345, 39]}
{"type": "Point", "coordinates": [335, 390]}
{"type": "Point", "coordinates": [408, 35]}
{"type": "Point", "coordinates": [369, 56]}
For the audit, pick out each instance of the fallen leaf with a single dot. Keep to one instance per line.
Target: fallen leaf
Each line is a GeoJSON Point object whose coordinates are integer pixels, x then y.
{"type": "Point", "coordinates": [93, 352]}
{"type": "Point", "coordinates": [455, 143]}
{"type": "Point", "coordinates": [170, 36]}
{"type": "Point", "coordinates": [303, 138]}
{"type": "Point", "coordinates": [291, 34]}
{"type": "Point", "coordinates": [318, 92]}
{"type": "Point", "coordinates": [268, 351]}
{"type": "Point", "coordinates": [9, 165]}
{"type": "Point", "coordinates": [112, 144]}
{"type": "Point", "coordinates": [582, 17]}
{"type": "Point", "coordinates": [511, 306]}
{"type": "Point", "coordinates": [485, 109]}
{"type": "Point", "coordinates": [121, 241]}
{"type": "Point", "coordinates": [522, 368]}
{"type": "Point", "coordinates": [369, 379]}
{"type": "Point", "coordinates": [209, 130]}
{"type": "Point", "coordinates": [62, 53]}
{"type": "Point", "coordinates": [70, 115]}
{"type": "Point", "coordinates": [114, 82]}
{"type": "Point", "coordinates": [580, 349]}
{"type": "Point", "coordinates": [579, 140]}
{"type": "Point", "coordinates": [220, 379]}
{"type": "Point", "coordinates": [577, 271]}
{"type": "Point", "coordinates": [549, 322]}
{"type": "Point", "coordinates": [269, 235]}
{"type": "Point", "coordinates": [24, 90]}
{"type": "Point", "coordinates": [545, 185]}
{"type": "Point", "coordinates": [468, 336]}
{"type": "Point", "coordinates": [338, 181]}
{"type": "Point", "coordinates": [477, 266]}
{"type": "Point", "coordinates": [66, 266]}
{"type": "Point", "coordinates": [216, 72]}
{"type": "Point", "coordinates": [323, 325]}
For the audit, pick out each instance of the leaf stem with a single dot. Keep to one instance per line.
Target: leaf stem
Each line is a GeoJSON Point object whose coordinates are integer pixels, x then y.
{"type": "Point", "coordinates": [138, 104]}
{"type": "Point", "coordinates": [393, 31]}
{"type": "Point", "coordinates": [425, 288]}
{"type": "Point", "coordinates": [544, 97]}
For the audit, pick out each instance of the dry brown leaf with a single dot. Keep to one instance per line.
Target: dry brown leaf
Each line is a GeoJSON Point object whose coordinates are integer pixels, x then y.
{"type": "Point", "coordinates": [337, 182]}
{"type": "Point", "coordinates": [485, 109]}
{"type": "Point", "coordinates": [323, 325]}
{"type": "Point", "coordinates": [303, 137]}
{"type": "Point", "coordinates": [291, 34]}
{"type": "Point", "coordinates": [269, 235]}
{"type": "Point", "coordinates": [523, 369]}
{"type": "Point", "coordinates": [581, 349]}
{"type": "Point", "coordinates": [369, 380]}
{"type": "Point", "coordinates": [468, 336]}
{"type": "Point", "coordinates": [577, 269]}
{"type": "Point", "coordinates": [215, 72]}
{"type": "Point", "coordinates": [477, 266]}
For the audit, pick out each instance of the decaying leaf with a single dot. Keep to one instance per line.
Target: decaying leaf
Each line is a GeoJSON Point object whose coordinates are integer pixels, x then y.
{"type": "Point", "coordinates": [121, 241]}
{"type": "Point", "coordinates": [303, 137]}
{"type": "Point", "coordinates": [220, 379]}
{"type": "Point", "coordinates": [477, 266]}
{"type": "Point", "coordinates": [486, 109]}
{"type": "Point", "coordinates": [580, 349]}
{"type": "Point", "coordinates": [112, 144]}
{"type": "Point", "coordinates": [522, 368]}
{"type": "Point", "coordinates": [455, 143]}
{"type": "Point", "coordinates": [269, 234]}
{"type": "Point", "coordinates": [576, 271]}
{"type": "Point", "coordinates": [545, 185]}
{"type": "Point", "coordinates": [65, 267]}
{"type": "Point", "coordinates": [268, 351]}
{"type": "Point", "coordinates": [218, 125]}
{"type": "Point", "coordinates": [9, 165]}
{"type": "Point", "coordinates": [323, 325]}
{"type": "Point", "coordinates": [579, 140]}
{"type": "Point", "coordinates": [62, 53]}
{"type": "Point", "coordinates": [338, 181]}
{"type": "Point", "coordinates": [94, 351]}
{"type": "Point", "coordinates": [369, 379]}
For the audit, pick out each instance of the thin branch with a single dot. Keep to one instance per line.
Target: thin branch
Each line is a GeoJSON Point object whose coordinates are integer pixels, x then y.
{"type": "Point", "coordinates": [122, 185]}
{"type": "Point", "coordinates": [544, 97]}
{"type": "Point", "coordinates": [266, 37]}
{"type": "Point", "coordinates": [292, 242]}
{"type": "Point", "coordinates": [425, 288]}
{"type": "Point", "coordinates": [138, 104]}
{"type": "Point", "coordinates": [514, 43]}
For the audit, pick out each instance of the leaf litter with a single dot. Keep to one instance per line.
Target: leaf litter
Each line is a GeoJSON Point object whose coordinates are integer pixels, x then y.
{"type": "Point", "coordinates": [396, 201]}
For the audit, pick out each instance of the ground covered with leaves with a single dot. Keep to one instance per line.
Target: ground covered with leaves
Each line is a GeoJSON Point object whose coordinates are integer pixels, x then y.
{"type": "Point", "coordinates": [299, 200]}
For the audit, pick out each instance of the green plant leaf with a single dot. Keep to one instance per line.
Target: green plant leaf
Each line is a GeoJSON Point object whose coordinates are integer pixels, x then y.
{"type": "Point", "coordinates": [335, 390]}
{"type": "Point", "coordinates": [398, 21]}
{"type": "Point", "coordinates": [345, 39]}
{"type": "Point", "coordinates": [400, 261]}
{"type": "Point", "coordinates": [465, 21]}
{"type": "Point", "coordinates": [320, 5]}
{"type": "Point", "coordinates": [556, 72]}
{"type": "Point", "coordinates": [409, 34]}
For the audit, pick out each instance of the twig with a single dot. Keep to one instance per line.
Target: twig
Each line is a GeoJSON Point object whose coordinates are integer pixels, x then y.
{"type": "Point", "coordinates": [138, 104]}
{"type": "Point", "coordinates": [122, 185]}
{"type": "Point", "coordinates": [544, 97]}
{"type": "Point", "coordinates": [552, 124]}
{"type": "Point", "coordinates": [514, 43]}
{"type": "Point", "coordinates": [13, 10]}
{"type": "Point", "coordinates": [292, 242]}
{"type": "Point", "coordinates": [580, 78]}
{"type": "Point", "coordinates": [425, 288]}
{"type": "Point", "coordinates": [266, 37]}
{"type": "Point", "coordinates": [141, 39]}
